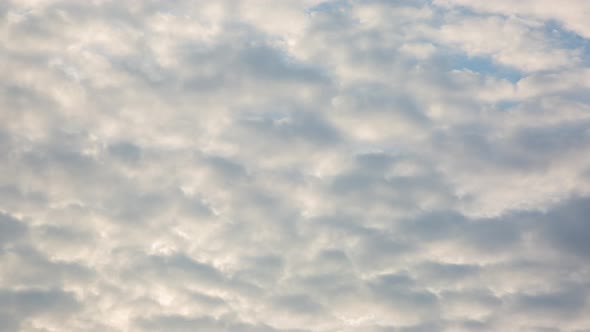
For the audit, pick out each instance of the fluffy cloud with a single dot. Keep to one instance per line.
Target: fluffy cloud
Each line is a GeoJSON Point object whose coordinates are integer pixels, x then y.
{"type": "Point", "coordinates": [294, 166]}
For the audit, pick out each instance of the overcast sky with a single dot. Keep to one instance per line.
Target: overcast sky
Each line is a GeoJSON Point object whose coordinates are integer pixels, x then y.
{"type": "Point", "coordinates": [294, 165]}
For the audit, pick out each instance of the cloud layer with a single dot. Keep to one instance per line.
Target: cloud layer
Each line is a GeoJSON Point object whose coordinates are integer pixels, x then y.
{"type": "Point", "coordinates": [294, 165]}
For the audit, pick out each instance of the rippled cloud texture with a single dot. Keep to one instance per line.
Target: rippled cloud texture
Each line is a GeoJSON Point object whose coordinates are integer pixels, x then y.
{"type": "Point", "coordinates": [294, 165]}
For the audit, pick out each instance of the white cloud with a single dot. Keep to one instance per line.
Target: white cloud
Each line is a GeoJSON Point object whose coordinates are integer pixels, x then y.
{"type": "Point", "coordinates": [571, 13]}
{"type": "Point", "coordinates": [508, 41]}
{"type": "Point", "coordinates": [293, 166]}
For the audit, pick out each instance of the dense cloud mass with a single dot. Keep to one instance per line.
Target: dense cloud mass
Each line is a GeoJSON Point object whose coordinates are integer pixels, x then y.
{"type": "Point", "coordinates": [294, 165]}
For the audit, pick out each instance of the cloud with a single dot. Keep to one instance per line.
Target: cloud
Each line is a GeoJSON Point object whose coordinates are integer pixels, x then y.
{"type": "Point", "coordinates": [508, 42]}
{"type": "Point", "coordinates": [570, 16]}
{"type": "Point", "coordinates": [294, 166]}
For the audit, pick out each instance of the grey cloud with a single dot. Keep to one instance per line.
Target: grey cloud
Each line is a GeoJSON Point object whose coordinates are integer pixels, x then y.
{"type": "Point", "coordinates": [243, 60]}
{"type": "Point", "coordinates": [261, 270]}
{"type": "Point", "coordinates": [227, 169]}
{"type": "Point", "coordinates": [401, 293]}
{"type": "Point", "coordinates": [8, 322]}
{"type": "Point", "coordinates": [212, 301]}
{"type": "Point", "coordinates": [35, 269]}
{"type": "Point", "coordinates": [183, 264]}
{"type": "Point", "coordinates": [525, 149]}
{"type": "Point", "coordinates": [553, 141]}
{"type": "Point", "coordinates": [126, 152]}
{"type": "Point", "coordinates": [292, 127]}
{"type": "Point", "coordinates": [298, 304]}
{"type": "Point", "coordinates": [181, 323]}
{"type": "Point", "coordinates": [269, 63]}
{"type": "Point", "coordinates": [34, 301]}
{"type": "Point", "coordinates": [21, 198]}
{"type": "Point", "coordinates": [481, 234]}
{"type": "Point", "coordinates": [11, 229]}
{"type": "Point", "coordinates": [20, 305]}
{"type": "Point", "coordinates": [566, 303]}
{"type": "Point", "coordinates": [447, 272]}
{"type": "Point", "coordinates": [186, 270]}
{"type": "Point", "coordinates": [473, 297]}
{"type": "Point", "coordinates": [414, 328]}
{"type": "Point", "coordinates": [567, 227]}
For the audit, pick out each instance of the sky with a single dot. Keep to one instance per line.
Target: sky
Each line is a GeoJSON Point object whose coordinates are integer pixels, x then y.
{"type": "Point", "coordinates": [294, 165]}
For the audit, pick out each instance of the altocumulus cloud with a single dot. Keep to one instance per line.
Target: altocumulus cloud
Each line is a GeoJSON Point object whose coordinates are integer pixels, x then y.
{"type": "Point", "coordinates": [294, 165]}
